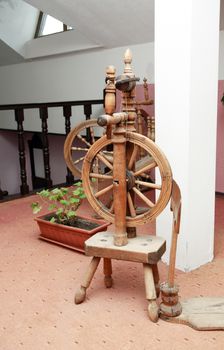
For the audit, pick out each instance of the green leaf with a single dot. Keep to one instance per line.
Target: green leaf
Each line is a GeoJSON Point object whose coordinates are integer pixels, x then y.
{"type": "Point", "coordinates": [53, 198]}
{"type": "Point", "coordinates": [82, 196]}
{"type": "Point", "coordinates": [53, 219]}
{"type": "Point", "coordinates": [71, 213]}
{"type": "Point", "coordinates": [36, 207]}
{"type": "Point", "coordinates": [79, 183]}
{"type": "Point", "coordinates": [57, 191]}
{"type": "Point", "coordinates": [74, 200]}
{"type": "Point", "coordinates": [76, 192]}
{"type": "Point", "coordinates": [64, 190]}
{"type": "Point", "coordinates": [64, 202]}
{"type": "Point", "coordinates": [44, 193]}
{"type": "Point", "coordinates": [59, 211]}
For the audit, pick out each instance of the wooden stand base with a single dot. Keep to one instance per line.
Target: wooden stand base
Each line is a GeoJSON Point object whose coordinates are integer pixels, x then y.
{"type": "Point", "coordinates": [143, 249]}
{"type": "Point", "coordinates": [201, 313]}
{"type": "Point", "coordinates": [170, 305]}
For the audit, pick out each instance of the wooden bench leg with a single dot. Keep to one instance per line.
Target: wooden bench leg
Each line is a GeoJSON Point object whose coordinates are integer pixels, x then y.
{"type": "Point", "coordinates": [156, 279]}
{"type": "Point", "coordinates": [107, 268]}
{"type": "Point", "coordinates": [81, 292]}
{"type": "Point", "coordinates": [153, 309]}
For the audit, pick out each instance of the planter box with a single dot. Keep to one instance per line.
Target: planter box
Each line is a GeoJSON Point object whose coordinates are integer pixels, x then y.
{"type": "Point", "coordinates": [68, 236]}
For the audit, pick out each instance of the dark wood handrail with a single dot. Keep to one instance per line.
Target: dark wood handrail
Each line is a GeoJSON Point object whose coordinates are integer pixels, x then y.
{"type": "Point", "coordinates": [50, 104]}
{"type": "Point", "coordinates": [43, 114]}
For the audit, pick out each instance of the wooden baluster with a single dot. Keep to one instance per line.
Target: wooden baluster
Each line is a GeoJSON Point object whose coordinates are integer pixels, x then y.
{"type": "Point", "coordinates": [140, 129]}
{"type": "Point", "coordinates": [19, 117]}
{"type": "Point", "coordinates": [149, 127]}
{"type": "Point", "coordinates": [88, 112]}
{"type": "Point", "coordinates": [153, 128]}
{"type": "Point", "coordinates": [139, 120]}
{"type": "Point", "coordinates": [43, 117]}
{"type": "Point", "coordinates": [67, 112]}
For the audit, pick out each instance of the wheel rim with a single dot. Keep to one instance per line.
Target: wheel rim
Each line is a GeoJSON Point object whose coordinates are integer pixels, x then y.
{"type": "Point", "coordinates": [76, 146]}
{"type": "Point", "coordinates": [155, 159]}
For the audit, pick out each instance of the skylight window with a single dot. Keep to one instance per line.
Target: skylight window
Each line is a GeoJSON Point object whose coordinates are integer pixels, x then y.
{"type": "Point", "coordinates": [49, 25]}
{"type": "Point", "coordinates": [52, 25]}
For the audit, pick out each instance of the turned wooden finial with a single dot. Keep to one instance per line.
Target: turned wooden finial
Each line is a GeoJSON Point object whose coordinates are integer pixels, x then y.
{"type": "Point", "coordinates": [110, 73]}
{"type": "Point", "coordinates": [110, 90]}
{"type": "Point", "coordinates": [127, 62]}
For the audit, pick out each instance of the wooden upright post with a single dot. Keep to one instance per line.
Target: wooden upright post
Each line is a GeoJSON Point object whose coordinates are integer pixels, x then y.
{"type": "Point", "coordinates": [120, 185]}
{"type": "Point", "coordinates": [128, 105]}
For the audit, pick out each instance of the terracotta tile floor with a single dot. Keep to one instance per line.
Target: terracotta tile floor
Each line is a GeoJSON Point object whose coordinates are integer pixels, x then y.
{"type": "Point", "coordinates": [38, 281]}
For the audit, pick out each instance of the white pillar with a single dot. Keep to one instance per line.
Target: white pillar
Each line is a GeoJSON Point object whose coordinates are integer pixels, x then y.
{"type": "Point", "coordinates": [186, 81]}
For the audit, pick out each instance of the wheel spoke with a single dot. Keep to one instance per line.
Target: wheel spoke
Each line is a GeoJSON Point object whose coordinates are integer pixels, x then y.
{"type": "Point", "coordinates": [103, 191]}
{"type": "Point", "coordinates": [146, 176]}
{"type": "Point", "coordinates": [133, 157]}
{"type": "Point", "coordinates": [108, 156]}
{"type": "Point", "coordinates": [101, 176]}
{"type": "Point", "coordinates": [104, 160]}
{"type": "Point", "coordinates": [84, 140]}
{"type": "Point", "coordinates": [145, 168]}
{"type": "Point", "coordinates": [92, 134]}
{"type": "Point", "coordinates": [131, 206]}
{"type": "Point", "coordinates": [143, 197]}
{"type": "Point", "coordinates": [78, 160]}
{"type": "Point", "coordinates": [79, 149]}
{"type": "Point", "coordinates": [148, 184]}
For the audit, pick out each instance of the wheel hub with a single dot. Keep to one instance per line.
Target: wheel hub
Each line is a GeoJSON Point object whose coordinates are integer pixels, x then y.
{"type": "Point", "coordinates": [130, 180]}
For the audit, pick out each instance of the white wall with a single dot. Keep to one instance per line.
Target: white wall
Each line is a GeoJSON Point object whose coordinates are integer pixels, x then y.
{"type": "Point", "coordinates": [66, 78]}
{"type": "Point", "coordinates": [221, 55]}
{"type": "Point", "coordinates": [186, 116]}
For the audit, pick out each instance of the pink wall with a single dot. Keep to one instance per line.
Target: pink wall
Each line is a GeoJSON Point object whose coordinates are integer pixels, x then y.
{"type": "Point", "coordinates": [220, 128]}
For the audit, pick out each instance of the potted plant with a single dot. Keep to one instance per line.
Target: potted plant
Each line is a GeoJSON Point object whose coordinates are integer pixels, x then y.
{"type": "Point", "coordinates": [62, 225]}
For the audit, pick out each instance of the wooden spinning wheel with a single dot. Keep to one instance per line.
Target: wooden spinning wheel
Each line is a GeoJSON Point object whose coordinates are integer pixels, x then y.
{"type": "Point", "coordinates": [121, 175]}
{"type": "Point", "coordinates": [154, 158]}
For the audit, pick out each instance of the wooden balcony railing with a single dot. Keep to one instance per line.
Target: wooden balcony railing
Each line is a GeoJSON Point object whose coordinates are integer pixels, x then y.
{"type": "Point", "coordinates": [43, 113]}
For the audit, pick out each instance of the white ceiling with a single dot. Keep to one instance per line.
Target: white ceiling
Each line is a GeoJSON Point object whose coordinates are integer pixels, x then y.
{"type": "Point", "coordinates": [109, 23]}
{"type": "Point", "coordinates": [104, 23]}
{"type": "Point", "coordinates": [101, 23]}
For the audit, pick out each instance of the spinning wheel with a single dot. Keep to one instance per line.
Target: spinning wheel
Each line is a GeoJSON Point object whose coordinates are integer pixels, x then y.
{"type": "Point", "coordinates": [121, 175]}
{"type": "Point", "coordinates": [154, 158]}
{"type": "Point", "coordinates": [78, 142]}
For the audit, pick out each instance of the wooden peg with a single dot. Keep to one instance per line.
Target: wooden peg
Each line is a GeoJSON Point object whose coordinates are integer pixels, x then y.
{"type": "Point", "coordinates": [146, 90]}
{"type": "Point", "coordinates": [110, 95]}
{"type": "Point", "coordinates": [127, 63]}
